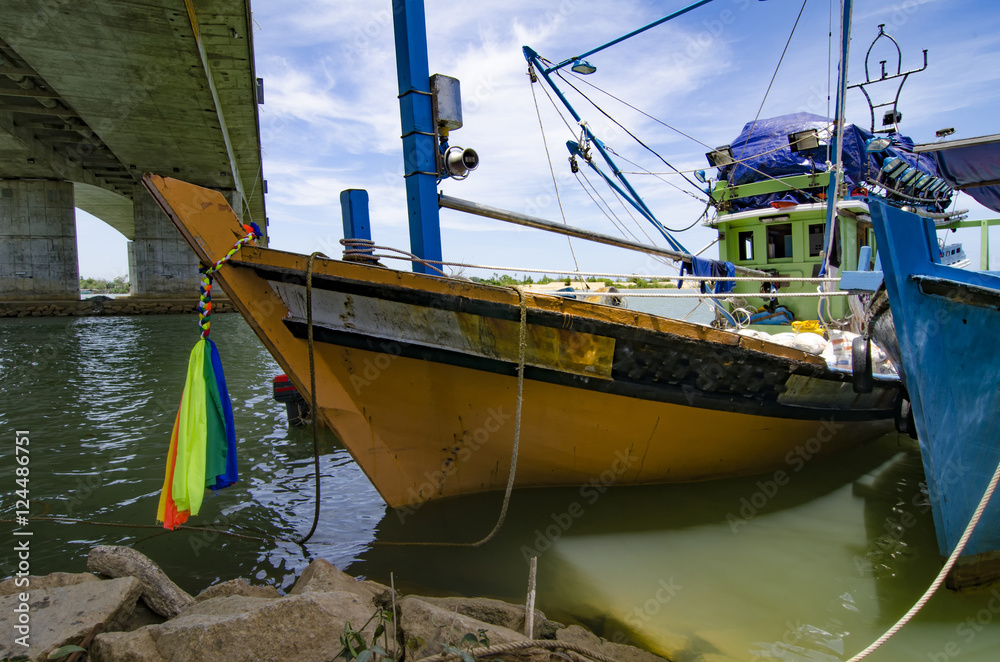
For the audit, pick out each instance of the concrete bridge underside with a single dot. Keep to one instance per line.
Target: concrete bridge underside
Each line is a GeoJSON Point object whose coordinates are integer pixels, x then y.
{"type": "Point", "coordinates": [92, 95]}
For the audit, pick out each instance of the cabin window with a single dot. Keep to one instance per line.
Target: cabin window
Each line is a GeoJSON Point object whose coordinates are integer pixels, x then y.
{"type": "Point", "coordinates": [779, 241]}
{"type": "Point", "coordinates": [746, 246]}
{"type": "Point", "coordinates": [816, 232]}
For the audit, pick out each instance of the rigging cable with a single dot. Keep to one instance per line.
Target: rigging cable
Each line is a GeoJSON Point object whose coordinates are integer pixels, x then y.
{"type": "Point", "coordinates": [656, 174]}
{"type": "Point", "coordinates": [634, 137]}
{"type": "Point", "coordinates": [615, 220]}
{"type": "Point", "coordinates": [548, 156]}
{"type": "Point", "coordinates": [692, 138]}
{"type": "Point", "coordinates": [591, 191]}
{"type": "Point", "coordinates": [774, 75]}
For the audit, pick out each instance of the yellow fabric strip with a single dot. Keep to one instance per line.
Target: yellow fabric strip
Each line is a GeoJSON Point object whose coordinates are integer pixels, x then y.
{"type": "Point", "coordinates": [189, 471]}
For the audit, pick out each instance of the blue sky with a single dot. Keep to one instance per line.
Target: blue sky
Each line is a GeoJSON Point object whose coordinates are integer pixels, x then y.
{"type": "Point", "coordinates": [331, 120]}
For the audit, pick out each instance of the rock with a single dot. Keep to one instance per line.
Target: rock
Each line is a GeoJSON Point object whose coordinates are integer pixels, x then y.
{"type": "Point", "coordinates": [55, 580]}
{"type": "Point", "coordinates": [162, 595]}
{"type": "Point", "coordinates": [137, 646]}
{"type": "Point", "coordinates": [305, 628]}
{"type": "Point", "coordinates": [322, 576]}
{"type": "Point", "coordinates": [65, 614]}
{"type": "Point", "coordinates": [426, 628]}
{"type": "Point", "coordinates": [142, 616]}
{"type": "Point", "coordinates": [237, 587]}
{"type": "Point", "coordinates": [496, 612]}
{"type": "Point", "coordinates": [575, 634]}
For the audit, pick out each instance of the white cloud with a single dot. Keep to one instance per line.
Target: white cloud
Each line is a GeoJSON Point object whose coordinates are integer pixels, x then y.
{"type": "Point", "coordinates": [333, 113]}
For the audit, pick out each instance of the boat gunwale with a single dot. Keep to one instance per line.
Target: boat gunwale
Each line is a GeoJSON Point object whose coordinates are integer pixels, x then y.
{"type": "Point", "coordinates": [544, 309]}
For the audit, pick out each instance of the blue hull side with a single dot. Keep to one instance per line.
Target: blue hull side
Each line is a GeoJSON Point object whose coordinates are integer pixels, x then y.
{"type": "Point", "coordinates": [946, 322]}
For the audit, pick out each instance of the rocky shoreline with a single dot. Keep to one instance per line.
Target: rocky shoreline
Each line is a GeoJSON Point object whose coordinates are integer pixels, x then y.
{"type": "Point", "coordinates": [128, 610]}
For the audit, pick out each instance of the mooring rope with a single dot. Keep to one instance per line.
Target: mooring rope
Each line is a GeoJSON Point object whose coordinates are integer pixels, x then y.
{"type": "Point", "coordinates": [522, 345]}
{"type": "Point", "coordinates": [516, 646]}
{"type": "Point", "coordinates": [312, 392]}
{"type": "Point", "coordinates": [936, 584]}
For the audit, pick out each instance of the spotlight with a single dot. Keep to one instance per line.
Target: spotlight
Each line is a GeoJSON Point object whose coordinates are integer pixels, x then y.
{"type": "Point", "coordinates": [721, 156]}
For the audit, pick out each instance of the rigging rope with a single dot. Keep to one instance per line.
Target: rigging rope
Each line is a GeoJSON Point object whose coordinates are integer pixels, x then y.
{"type": "Point", "coordinates": [692, 138]}
{"type": "Point", "coordinates": [657, 175]}
{"type": "Point", "coordinates": [614, 217]}
{"type": "Point", "coordinates": [532, 79]}
{"type": "Point", "coordinates": [312, 392]}
{"type": "Point", "coordinates": [516, 646]}
{"type": "Point", "coordinates": [634, 137]}
{"type": "Point", "coordinates": [610, 213]}
{"type": "Point", "coordinates": [774, 75]}
{"type": "Point", "coordinates": [522, 345]}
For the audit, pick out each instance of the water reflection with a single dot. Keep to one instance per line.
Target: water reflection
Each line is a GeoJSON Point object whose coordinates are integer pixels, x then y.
{"type": "Point", "coordinates": [741, 569]}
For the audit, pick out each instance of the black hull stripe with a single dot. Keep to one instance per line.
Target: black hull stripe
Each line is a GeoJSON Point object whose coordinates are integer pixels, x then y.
{"type": "Point", "coordinates": [511, 312]}
{"type": "Point", "coordinates": [661, 392]}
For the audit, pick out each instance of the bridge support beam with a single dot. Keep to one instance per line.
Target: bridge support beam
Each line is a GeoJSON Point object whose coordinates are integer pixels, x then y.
{"type": "Point", "coordinates": [38, 254]}
{"type": "Point", "coordinates": [160, 263]}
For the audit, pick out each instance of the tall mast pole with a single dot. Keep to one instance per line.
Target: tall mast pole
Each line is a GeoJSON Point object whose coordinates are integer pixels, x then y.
{"type": "Point", "coordinates": [837, 171]}
{"type": "Point", "coordinates": [419, 133]}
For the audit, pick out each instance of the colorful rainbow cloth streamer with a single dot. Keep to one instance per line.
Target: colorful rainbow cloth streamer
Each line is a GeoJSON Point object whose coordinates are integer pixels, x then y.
{"type": "Point", "coordinates": [202, 450]}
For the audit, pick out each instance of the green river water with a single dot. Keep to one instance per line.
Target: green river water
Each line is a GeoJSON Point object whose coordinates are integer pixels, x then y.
{"type": "Point", "coordinates": [730, 570]}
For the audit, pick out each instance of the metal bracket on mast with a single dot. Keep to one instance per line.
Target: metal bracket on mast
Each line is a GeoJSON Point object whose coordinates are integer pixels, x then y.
{"type": "Point", "coordinates": [892, 117]}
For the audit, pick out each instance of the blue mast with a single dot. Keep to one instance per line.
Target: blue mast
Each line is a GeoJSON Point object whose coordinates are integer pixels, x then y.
{"type": "Point", "coordinates": [627, 36]}
{"type": "Point", "coordinates": [633, 196]}
{"type": "Point", "coordinates": [419, 133]}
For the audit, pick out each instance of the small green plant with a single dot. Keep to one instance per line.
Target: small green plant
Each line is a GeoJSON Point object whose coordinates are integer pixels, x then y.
{"type": "Point", "coordinates": [357, 649]}
{"type": "Point", "coordinates": [66, 651]}
{"type": "Point", "coordinates": [468, 642]}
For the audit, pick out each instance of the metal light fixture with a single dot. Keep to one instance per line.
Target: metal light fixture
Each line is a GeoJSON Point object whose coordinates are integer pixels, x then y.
{"type": "Point", "coordinates": [880, 144]}
{"type": "Point", "coordinates": [583, 67]}
{"type": "Point", "coordinates": [908, 175]}
{"type": "Point", "coordinates": [944, 133]}
{"type": "Point", "coordinates": [801, 141]}
{"type": "Point", "coordinates": [922, 181]}
{"type": "Point", "coordinates": [720, 157]}
{"type": "Point", "coordinates": [767, 220]}
{"type": "Point", "coordinates": [893, 166]}
{"type": "Point", "coordinates": [459, 162]}
{"type": "Point", "coordinates": [700, 176]}
{"type": "Point", "coordinates": [941, 189]}
{"type": "Point", "coordinates": [892, 117]}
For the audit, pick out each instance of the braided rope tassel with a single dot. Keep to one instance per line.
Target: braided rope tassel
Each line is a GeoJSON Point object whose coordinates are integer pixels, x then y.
{"type": "Point", "coordinates": [205, 297]}
{"type": "Point", "coordinates": [205, 303]}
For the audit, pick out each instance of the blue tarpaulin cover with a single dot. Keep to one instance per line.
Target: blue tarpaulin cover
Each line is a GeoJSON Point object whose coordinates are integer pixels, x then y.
{"type": "Point", "coordinates": [762, 152]}
{"type": "Point", "coordinates": [966, 163]}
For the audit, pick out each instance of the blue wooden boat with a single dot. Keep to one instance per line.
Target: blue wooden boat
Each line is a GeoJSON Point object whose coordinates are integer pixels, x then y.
{"type": "Point", "coordinates": [936, 328]}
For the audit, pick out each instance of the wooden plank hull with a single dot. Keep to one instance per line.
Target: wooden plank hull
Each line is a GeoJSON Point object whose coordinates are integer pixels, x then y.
{"type": "Point", "coordinates": [417, 376]}
{"type": "Point", "coordinates": [941, 317]}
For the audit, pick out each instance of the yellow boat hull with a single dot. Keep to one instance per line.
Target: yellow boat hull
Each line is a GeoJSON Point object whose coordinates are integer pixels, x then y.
{"type": "Point", "coordinates": [417, 376]}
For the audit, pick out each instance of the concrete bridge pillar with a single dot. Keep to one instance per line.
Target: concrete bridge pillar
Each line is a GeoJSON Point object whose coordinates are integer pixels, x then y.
{"type": "Point", "coordinates": [160, 263]}
{"type": "Point", "coordinates": [38, 255]}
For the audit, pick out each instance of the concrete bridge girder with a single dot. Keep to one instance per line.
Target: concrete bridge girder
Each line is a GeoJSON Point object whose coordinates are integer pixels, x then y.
{"type": "Point", "coordinates": [38, 258]}
{"type": "Point", "coordinates": [117, 88]}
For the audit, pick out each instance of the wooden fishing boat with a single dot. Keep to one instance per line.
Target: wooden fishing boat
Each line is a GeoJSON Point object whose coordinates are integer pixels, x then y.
{"type": "Point", "coordinates": [417, 375]}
